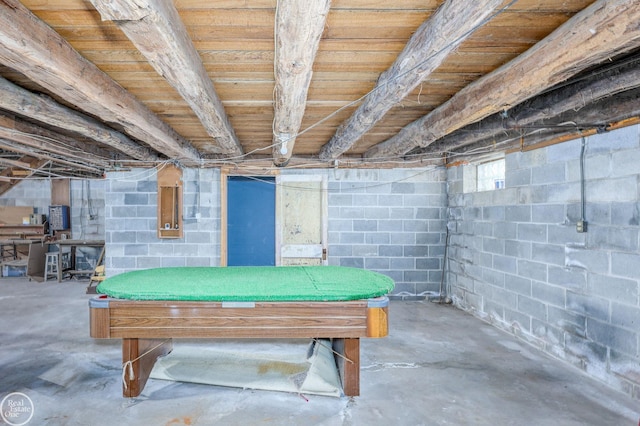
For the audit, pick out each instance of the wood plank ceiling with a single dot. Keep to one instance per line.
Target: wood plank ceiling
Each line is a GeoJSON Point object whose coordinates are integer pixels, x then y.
{"type": "Point", "coordinates": [89, 86]}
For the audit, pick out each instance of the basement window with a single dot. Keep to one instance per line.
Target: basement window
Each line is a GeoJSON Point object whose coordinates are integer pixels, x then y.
{"type": "Point", "coordinates": [485, 176]}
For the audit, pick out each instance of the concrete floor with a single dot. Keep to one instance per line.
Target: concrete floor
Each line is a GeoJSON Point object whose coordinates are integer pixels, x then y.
{"type": "Point", "coordinates": [439, 366]}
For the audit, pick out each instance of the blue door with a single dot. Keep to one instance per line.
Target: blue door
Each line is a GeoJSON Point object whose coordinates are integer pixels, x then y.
{"type": "Point", "coordinates": [251, 221]}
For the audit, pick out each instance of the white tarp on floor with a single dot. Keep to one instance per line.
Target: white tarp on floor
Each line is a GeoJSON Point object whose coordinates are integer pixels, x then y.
{"type": "Point", "coordinates": [279, 365]}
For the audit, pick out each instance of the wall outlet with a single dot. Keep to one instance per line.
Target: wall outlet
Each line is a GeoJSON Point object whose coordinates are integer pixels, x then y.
{"type": "Point", "coordinates": [581, 226]}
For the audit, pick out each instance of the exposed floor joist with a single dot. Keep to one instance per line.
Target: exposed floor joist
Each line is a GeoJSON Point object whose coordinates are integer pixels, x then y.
{"type": "Point", "coordinates": [157, 31]}
{"type": "Point", "coordinates": [360, 47]}
{"type": "Point", "coordinates": [29, 164]}
{"type": "Point", "coordinates": [600, 31]}
{"type": "Point", "coordinates": [299, 26]}
{"type": "Point", "coordinates": [543, 109]}
{"type": "Point", "coordinates": [44, 109]}
{"type": "Point", "coordinates": [25, 138]}
{"type": "Point", "coordinates": [73, 168]}
{"type": "Point", "coordinates": [18, 130]}
{"type": "Point", "coordinates": [569, 125]}
{"type": "Point", "coordinates": [437, 37]}
{"type": "Point", "coordinates": [34, 49]}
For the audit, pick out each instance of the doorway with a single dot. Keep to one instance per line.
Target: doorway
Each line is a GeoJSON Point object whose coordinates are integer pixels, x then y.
{"type": "Point", "coordinates": [274, 220]}
{"type": "Point", "coordinates": [251, 221]}
{"type": "Point", "coordinates": [301, 220]}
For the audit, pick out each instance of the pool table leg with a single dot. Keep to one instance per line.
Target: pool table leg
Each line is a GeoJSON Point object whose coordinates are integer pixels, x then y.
{"type": "Point", "coordinates": [348, 362]}
{"type": "Point", "coordinates": [143, 354]}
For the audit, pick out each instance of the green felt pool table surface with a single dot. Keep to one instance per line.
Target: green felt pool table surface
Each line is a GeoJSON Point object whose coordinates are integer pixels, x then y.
{"type": "Point", "coordinates": [248, 283]}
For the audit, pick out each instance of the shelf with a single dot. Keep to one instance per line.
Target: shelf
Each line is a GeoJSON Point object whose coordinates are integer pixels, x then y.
{"type": "Point", "coordinates": [23, 231]}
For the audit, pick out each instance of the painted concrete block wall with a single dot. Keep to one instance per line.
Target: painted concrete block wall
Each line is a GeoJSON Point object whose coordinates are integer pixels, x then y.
{"type": "Point", "coordinates": [390, 221]}
{"type": "Point", "coordinates": [516, 260]}
{"type": "Point", "coordinates": [131, 221]}
{"type": "Point", "coordinates": [87, 215]}
{"type": "Point", "coordinates": [87, 209]}
{"type": "Point", "coordinates": [87, 212]}
{"type": "Point", "coordinates": [29, 193]}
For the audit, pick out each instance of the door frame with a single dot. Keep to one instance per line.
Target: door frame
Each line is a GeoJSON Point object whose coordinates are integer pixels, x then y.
{"type": "Point", "coordinates": [324, 219]}
{"type": "Point", "coordinates": [226, 172]}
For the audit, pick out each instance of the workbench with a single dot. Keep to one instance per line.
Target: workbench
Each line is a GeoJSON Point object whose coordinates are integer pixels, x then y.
{"type": "Point", "coordinates": [71, 247]}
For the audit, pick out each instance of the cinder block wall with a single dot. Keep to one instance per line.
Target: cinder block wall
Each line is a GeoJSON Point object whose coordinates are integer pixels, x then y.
{"type": "Point", "coordinates": [29, 193]}
{"type": "Point", "coordinates": [131, 226]}
{"type": "Point", "coordinates": [516, 260]}
{"type": "Point", "coordinates": [87, 209]}
{"type": "Point", "coordinates": [87, 218]}
{"type": "Point", "coordinates": [390, 221]}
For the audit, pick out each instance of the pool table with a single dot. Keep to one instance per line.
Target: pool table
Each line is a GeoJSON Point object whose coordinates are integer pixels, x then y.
{"type": "Point", "coordinates": [147, 319]}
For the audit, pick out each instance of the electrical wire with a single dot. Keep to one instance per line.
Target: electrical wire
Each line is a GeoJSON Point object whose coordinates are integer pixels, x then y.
{"type": "Point", "coordinates": [353, 188]}
{"type": "Point", "coordinates": [582, 181]}
{"type": "Point", "coordinates": [376, 88]}
{"type": "Point", "coordinates": [47, 139]}
{"type": "Point", "coordinates": [108, 162]}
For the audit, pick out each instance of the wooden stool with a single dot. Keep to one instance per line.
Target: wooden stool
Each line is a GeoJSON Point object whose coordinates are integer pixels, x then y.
{"type": "Point", "coordinates": [51, 265]}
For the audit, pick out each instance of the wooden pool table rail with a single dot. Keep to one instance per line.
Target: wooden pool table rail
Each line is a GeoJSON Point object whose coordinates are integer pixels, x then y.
{"type": "Point", "coordinates": [147, 328]}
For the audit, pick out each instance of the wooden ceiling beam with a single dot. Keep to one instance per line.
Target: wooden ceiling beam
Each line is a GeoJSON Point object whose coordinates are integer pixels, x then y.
{"type": "Point", "coordinates": [58, 142]}
{"type": "Point", "coordinates": [299, 26]}
{"type": "Point", "coordinates": [20, 172]}
{"type": "Point", "coordinates": [429, 46]}
{"type": "Point", "coordinates": [609, 112]}
{"type": "Point", "coordinates": [51, 143]}
{"type": "Point", "coordinates": [6, 181]}
{"type": "Point", "coordinates": [157, 31]}
{"type": "Point", "coordinates": [600, 31]}
{"type": "Point", "coordinates": [31, 47]}
{"type": "Point", "coordinates": [20, 148]}
{"type": "Point", "coordinates": [9, 177]}
{"type": "Point", "coordinates": [547, 107]}
{"type": "Point", "coordinates": [14, 163]}
{"type": "Point", "coordinates": [45, 110]}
